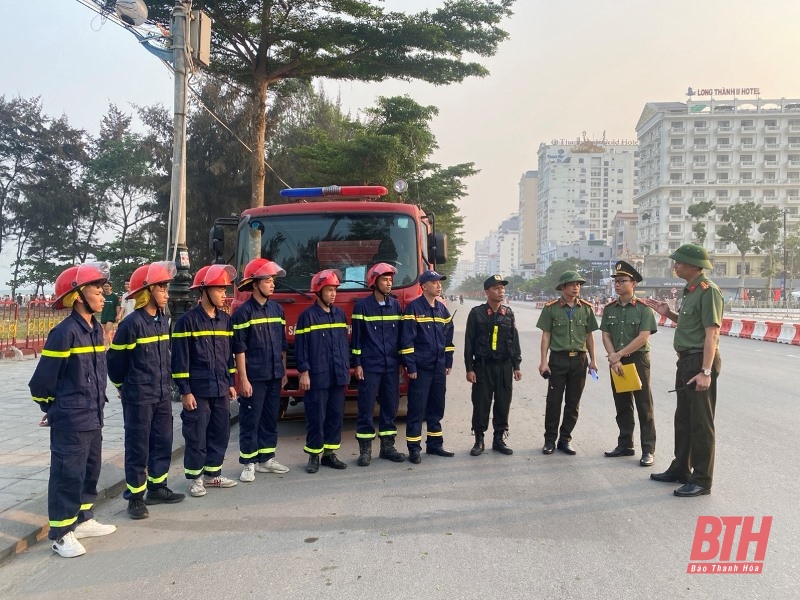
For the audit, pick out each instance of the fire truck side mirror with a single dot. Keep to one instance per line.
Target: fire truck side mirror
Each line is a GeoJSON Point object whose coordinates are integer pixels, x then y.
{"type": "Point", "coordinates": [437, 247]}
{"type": "Point", "coordinates": [216, 242]}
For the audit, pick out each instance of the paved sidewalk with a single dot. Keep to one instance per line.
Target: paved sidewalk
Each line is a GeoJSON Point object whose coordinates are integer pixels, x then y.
{"type": "Point", "coordinates": [25, 457]}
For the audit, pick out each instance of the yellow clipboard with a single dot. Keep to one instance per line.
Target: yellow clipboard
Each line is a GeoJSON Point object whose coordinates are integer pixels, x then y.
{"type": "Point", "coordinates": [629, 381]}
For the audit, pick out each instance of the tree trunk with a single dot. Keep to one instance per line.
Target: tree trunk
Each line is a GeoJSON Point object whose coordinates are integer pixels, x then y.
{"type": "Point", "coordinates": [742, 266]}
{"type": "Point", "coordinates": [259, 121]}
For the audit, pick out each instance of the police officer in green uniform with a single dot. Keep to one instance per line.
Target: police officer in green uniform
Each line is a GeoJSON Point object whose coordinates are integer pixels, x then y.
{"type": "Point", "coordinates": [698, 319]}
{"type": "Point", "coordinates": [567, 325]}
{"type": "Point", "coordinates": [626, 327]}
{"type": "Point", "coordinates": [492, 356]}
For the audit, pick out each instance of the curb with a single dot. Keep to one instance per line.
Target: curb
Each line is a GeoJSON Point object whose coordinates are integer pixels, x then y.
{"type": "Point", "coordinates": [27, 523]}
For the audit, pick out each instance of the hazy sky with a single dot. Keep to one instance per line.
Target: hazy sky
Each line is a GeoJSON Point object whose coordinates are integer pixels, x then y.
{"type": "Point", "coordinates": [567, 68]}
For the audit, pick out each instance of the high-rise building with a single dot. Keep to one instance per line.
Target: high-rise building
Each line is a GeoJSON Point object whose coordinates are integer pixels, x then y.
{"type": "Point", "coordinates": [528, 194]}
{"type": "Point", "coordinates": [583, 184]}
{"type": "Point", "coordinates": [717, 152]}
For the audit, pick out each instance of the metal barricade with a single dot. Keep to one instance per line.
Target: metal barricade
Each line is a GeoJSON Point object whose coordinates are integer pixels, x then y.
{"type": "Point", "coordinates": [40, 319]}
{"type": "Point", "coordinates": [9, 315]}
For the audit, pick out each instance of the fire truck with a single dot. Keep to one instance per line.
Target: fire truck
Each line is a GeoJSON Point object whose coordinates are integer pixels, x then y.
{"type": "Point", "coordinates": [347, 228]}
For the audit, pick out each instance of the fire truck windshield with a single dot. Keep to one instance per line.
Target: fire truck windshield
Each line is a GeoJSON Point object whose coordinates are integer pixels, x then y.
{"type": "Point", "coordinates": [305, 244]}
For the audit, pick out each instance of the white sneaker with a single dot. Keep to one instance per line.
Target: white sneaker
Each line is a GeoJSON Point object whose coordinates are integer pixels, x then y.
{"type": "Point", "coordinates": [92, 528]}
{"type": "Point", "coordinates": [271, 466]}
{"type": "Point", "coordinates": [219, 481]}
{"type": "Point", "coordinates": [198, 488]}
{"type": "Point", "coordinates": [248, 473]}
{"type": "Point", "coordinates": [68, 546]}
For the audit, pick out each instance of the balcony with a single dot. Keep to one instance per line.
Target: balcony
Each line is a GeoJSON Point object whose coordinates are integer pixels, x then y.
{"type": "Point", "coordinates": [700, 129]}
{"type": "Point", "coordinates": [700, 165]}
{"type": "Point", "coordinates": [748, 146]}
{"type": "Point", "coordinates": [675, 235]}
{"type": "Point", "coordinates": [773, 128]}
{"type": "Point", "coordinates": [725, 129]}
{"type": "Point", "coordinates": [747, 163]}
{"type": "Point", "coordinates": [700, 147]}
{"type": "Point", "coordinates": [724, 146]}
{"type": "Point", "coordinates": [772, 146]}
{"type": "Point", "coordinates": [794, 127]}
{"type": "Point", "coordinates": [794, 163]}
{"type": "Point", "coordinates": [677, 166]}
{"type": "Point", "coordinates": [794, 145]}
{"type": "Point", "coordinates": [770, 163]}
{"type": "Point", "coordinates": [677, 131]}
{"type": "Point", "coordinates": [682, 147]}
{"type": "Point", "coordinates": [724, 165]}
{"type": "Point", "coordinates": [748, 128]}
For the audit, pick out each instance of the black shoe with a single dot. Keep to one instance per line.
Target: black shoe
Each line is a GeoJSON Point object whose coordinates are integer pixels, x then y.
{"type": "Point", "coordinates": [313, 463]}
{"type": "Point", "coordinates": [646, 460]}
{"type": "Point", "coordinates": [548, 448]}
{"type": "Point", "coordinates": [136, 509]}
{"type": "Point", "coordinates": [500, 446]}
{"type": "Point", "coordinates": [479, 446]}
{"type": "Point", "coordinates": [566, 447]}
{"type": "Point", "coordinates": [690, 490]}
{"type": "Point", "coordinates": [163, 495]}
{"type": "Point", "coordinates": [438, 451]}
{"type": "Point", "coordinates": [620, 451]}
{"type": "Point", "coordinates": [667, 477]}
{"type": "Point", "coordinates": [330, 460]}
{"type": "Point", "coordinates": [413, 456]}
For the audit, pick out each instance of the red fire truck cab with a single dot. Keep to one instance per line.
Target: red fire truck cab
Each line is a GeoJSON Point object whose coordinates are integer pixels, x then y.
{"type": "Point", "coordinates": [344, 228]}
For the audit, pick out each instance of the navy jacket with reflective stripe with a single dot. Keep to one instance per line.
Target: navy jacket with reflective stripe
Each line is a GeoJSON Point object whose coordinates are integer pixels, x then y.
{"type": "Point", "coordinates": [139, 358]}
{"type": "Point", "coordinates": [321, 346]}
{"type": "Point", "coordinates": [202, 353]}
{"type": "Point", "coordinates": [259, 331]}
{"type": "Point", "coordinates": [375, 341]}
{"type": "Point", "coordinates": [69, 383]}
{"type": "Point", "coordinates": [426, 336]}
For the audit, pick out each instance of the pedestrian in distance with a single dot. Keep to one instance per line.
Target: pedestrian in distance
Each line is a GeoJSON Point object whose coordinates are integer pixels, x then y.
{"type": "Point", "coordinates": [375, 345]}
{"type": "Point", "coordinates": [567, 324]}
{"type": "Point", "coordinates": [139, 366]}
{"type": "Point", "coordinates": [69, 384]}
{"type": "Point", "coordinates": [203, 370]}
{"type": "Point", "coordinates": [323, 361]}
{"type": "Point", "coordinates": [492, 358]}
{"type": "Point", "coordinates": [259, 348]}
{"type": "Point", "coordinates": [110, 314]}
{"type": "Point", "coordinates": [426, 349]}
{"type": "Point", "coordinates": [626, 327]}
{"type": "Point", "coordinates": [128, 302]}
{"type": "Point", "coordinates": [698, 321]}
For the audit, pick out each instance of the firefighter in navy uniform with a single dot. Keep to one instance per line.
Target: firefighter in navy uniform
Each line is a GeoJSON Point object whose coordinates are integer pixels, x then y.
{"type": "Point", "coordinates": [69, 384]}
{"type": "Point", "coordinates": [426, 349]}
{"type": "Point", "coordinates": [139, 365]}
{"type": "Point", "coordinates": [323, 361]}
{"type": "Point", "coordinates": [492, 357]}
{"type": "Point", "coordinates": [203, 370]}
{"type": "Point", "coordinates": [259, 348]}
{"type": "Point", "coordinates": [375, 346]}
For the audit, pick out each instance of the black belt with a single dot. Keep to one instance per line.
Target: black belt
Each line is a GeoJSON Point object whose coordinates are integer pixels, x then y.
{"type": "Point", "coordinates": [690, 351]}
{"type": "Point", "coordinates": [570, 353]}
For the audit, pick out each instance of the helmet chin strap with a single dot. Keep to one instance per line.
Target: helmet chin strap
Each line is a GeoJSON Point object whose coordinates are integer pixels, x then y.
{"type": "Point", "coordinates": [385, 295]}
{"type": "Point", "coordinates": [327, 305]}
{"type": "Point", "coordinates": [257, 286]}
{"type": "Point", "coordinates": [205, 291]}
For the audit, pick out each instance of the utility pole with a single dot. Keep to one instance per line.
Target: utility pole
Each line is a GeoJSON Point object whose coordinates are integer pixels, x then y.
{"type": "Point", "coordinates": [179, 296]}
{"type": "Point", "coordinates": [785, 261]}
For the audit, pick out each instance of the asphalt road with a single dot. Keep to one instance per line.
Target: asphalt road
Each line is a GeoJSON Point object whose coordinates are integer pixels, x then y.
{"type": "Point", "coordinates": [524, 526]}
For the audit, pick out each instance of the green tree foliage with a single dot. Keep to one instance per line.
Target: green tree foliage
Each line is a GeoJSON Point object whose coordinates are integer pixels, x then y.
{"type": "Point", "coordinates": [770, 228]}
{"type": "Point", "coordinates": [262, 43]}
{"type": "Point", "coordinates": [740, 219]}
{"type": "Point", "coordinates": [698, 212]}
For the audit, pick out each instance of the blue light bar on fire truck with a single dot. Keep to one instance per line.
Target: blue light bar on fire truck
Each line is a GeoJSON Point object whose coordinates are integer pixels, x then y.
{"type": "Point", "coordinates": [335, 190]}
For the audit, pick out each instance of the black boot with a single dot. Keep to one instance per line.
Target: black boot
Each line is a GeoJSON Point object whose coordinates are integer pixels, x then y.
{"type": "Point", "coordinates": [365, 452]}
{"type": "Point", "coordinates": [499, 445]}
{"type": "Point", "coordinates": [313, 463]}
{"type": "Point", "coordinates": [388, 451]}
{"type": "Point", "coordinates": [479, 446]}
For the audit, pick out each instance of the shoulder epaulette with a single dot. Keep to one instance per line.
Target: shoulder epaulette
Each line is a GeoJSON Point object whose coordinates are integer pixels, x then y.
{"type": "Point", "coordinates": [551, 302]}
{"type": "Point", "coordinates": [614, 301]}
{"type": "Point", "coordinates": [704, 285]}
{"type": "Point", "coordinates": [586, 303]}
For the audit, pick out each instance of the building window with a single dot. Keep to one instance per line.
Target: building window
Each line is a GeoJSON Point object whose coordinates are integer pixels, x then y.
{"type": "Point", "coordinates": [700, 141]}
{"type": "Point", "coordinates": [675, 211]}
{"type": "Point", "coordinates": [698, 176]}
{"type": "Point", "coordinates": [698, 194]}
{"type": "Point", "coordinates": [675, 228]}
{"type": "Point", "coordinates": [724, 124]}
{"type": "Point", "coordinates": [674, 177]}
{"type": "Point", "coordinates": [747, 175]}
{"type": "Point", "coordinates": [724, 158]}
{"type": "Point", "coordinates": [675, 194]}
{"type": "Point", "coordinates": [745, 193]}
{"type": "Point", "coordinates": [722, 193]}
{"type": "Point", "coordinates": [746, 268]}
{"type": "Point", "coordinates": [700, 124]}
{"type": "Point", "coordinates": [771, 122]}
{"type": "Point", "coordinates": [722, 176]}
{"type": "Point", "coordinates": [769, 194]}
{"type": "Point", "coordinates": [793, 193]}
{"type": "Point", "coordinates": [747, 122]}
{"type": "Point", "coordinates": [723, 141]}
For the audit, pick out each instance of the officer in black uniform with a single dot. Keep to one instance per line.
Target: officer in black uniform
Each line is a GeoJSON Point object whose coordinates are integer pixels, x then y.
{"type": "Point", "coordinates": [492, 356]}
